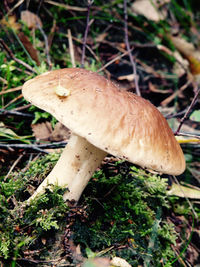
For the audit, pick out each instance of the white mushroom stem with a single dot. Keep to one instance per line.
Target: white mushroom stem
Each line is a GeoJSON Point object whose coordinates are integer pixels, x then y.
{"type": "Point", "coordinates": [74, 168]}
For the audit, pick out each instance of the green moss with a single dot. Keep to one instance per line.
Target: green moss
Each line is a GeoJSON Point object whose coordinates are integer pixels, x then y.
{"type": "Point", "coordinates": [125, 210]}
{"type": "Point", "coordinates": [22, 226]}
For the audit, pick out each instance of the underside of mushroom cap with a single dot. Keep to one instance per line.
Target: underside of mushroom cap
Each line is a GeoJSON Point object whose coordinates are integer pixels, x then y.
{"type": "Point", "coordinates": [118, 122]}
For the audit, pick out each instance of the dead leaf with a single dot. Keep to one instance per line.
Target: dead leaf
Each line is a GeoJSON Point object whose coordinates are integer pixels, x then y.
{"type": "Point", "coordinates": [44, 132]}
{"type": "Point", "coordinates": [101, 37]}
{"type": "Point", "coordinates": [183, 191]}
{"type": "Point", "coordinates": [29, 47]}
{"type": "Point", "coordinates": [10, 22]}
{"type": "Point", "coordinates": [60, 133]}
{"type": "Point", "coordinates": [187, 140]}
{"type": "Point", "coordinates": [30, 19]}
{"type": "Point", "coordinates": [6, 131]}
{"type": "Point", "coordinates": [97, 262]}
{"type": "Point", "coordinates": [148, 9]}
{"type": "Point", "coordinates": [119, 262]}
{"type": "Point", "coordinates": [189, 51]}
{"type": "Point", "coordinates": [10, 134]}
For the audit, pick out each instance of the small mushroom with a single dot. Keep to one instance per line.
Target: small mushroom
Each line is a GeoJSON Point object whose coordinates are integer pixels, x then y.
{"type": "Point", "coordinates": [108, 120]}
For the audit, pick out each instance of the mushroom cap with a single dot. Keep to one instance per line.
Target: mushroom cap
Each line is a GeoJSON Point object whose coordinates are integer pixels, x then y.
{"type": "Point", "coordinates": [116, 121]}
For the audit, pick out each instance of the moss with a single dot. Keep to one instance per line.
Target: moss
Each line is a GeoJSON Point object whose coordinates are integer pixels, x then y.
{"type": "Point", "coordinates": [124, 209]}
{"type": "Point", "coordinates": [127, 211]}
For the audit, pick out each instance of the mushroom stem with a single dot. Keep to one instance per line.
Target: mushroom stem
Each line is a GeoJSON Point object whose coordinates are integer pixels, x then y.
{"type": "Point", "coordinates": [74, 168]}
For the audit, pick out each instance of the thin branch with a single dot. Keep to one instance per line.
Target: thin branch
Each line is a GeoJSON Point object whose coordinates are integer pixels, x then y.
{"type": "Point", "coordinates": [129, 50]}
{"type": "Point", "coordinates": [90, 2]}
{"type": "Point", "coordinates": [22, 107]}
{"type": "Point", "coordinates": [113, 60]}
{"type": "Point", "coordinates": [175, 115]}
{"type": "Point", "coordinates": [13, 166]}
{"type": "Point", "coordinates": [14, 7]}
{"type": "Point", "coordinates": [46, 45]}
{"type": "Point", "coordinates": [67, 7]}
{"type": "Point", "coordinates": [36, 147]}
{"type": "Point", "coordinates": [12, 101]}
{"type": "Point", "coordinates": [71, 48]}
{"type": "Point", "coordinates": [11, 90]}
{"type": "Point", "coordinates": [81, 42]}
{"type": "Point", "coordinates": [15, 113]}
{"type": "Point", "coordinates": [188, 111]}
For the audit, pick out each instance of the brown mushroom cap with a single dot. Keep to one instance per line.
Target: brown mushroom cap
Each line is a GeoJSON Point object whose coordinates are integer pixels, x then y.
{"type": "Point", "coordinates": [118, 122]}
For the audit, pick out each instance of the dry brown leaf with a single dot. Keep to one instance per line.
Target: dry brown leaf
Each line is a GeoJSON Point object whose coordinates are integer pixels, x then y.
{"type": "Point", "coordinates": [147, 9]}
{"type": "Point", "coordinates": [30, 19]}
{"type": "Point", "coordinates": [60, 133]}
{"type": "Point", "coordinates": [29, 47]}
{"type": "Point", "coordinates": [44, 132]}
{"type": "Point", "coordinates": [101, 37]}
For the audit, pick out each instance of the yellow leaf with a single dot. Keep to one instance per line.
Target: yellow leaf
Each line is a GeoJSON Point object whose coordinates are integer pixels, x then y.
{"type": "Point", "coordinates": [183, 191]}
{"type": "Point", "coordinates": [10, 22]}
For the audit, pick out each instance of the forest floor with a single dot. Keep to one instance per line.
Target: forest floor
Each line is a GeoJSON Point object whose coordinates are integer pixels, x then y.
{"type": "Point", "coordinates": [125, 214]}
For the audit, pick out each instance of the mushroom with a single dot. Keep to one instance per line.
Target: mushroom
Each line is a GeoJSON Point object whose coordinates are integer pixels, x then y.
{"type": "Point", "coordinates": [103, 119]}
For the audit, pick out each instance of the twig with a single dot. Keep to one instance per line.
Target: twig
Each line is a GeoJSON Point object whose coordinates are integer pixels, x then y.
{"type": "Point", "coordinates": [189, 135]}
{"type": "Point", "coordinates": [10, 53]}
{"type": "Point", "coordinates": [90, 2]}
{"type": "Point", "coordinates": [68, 7]}
{"type": "Point", "coordinates": [113, 60]}
{"type": "Point", "coordinates": [129, 50]}
{"type": "Point", "coordinates": [34, 146]}
{"type": "Point", "coordinates": [175, 115]}
{"type": "Point", "coordinates": [46, 45]}
{"type": "Point", "coordinates": [11, 90]}
{"type": "Point", "coordinates": [90, 50]}
{"type": "Point", "coordinates": [13, 166]}
{"type": "Point", "coordinates": [15, 6]}
{"type": "Point", "coordinates": [188, 111]}
{"type": "Point", "coordinates": [15, 113]}
{"type": "Point", "coordinates": [12, 101]}
{"type": "Point", "coordinates": [3, 80]}
{"type": "Point", "coordinates": [71, 48]}
{"type": "Point", "coordinates": [22, 107]}
{"type": "Point", "coordinates": [51, 34]}
{"type": "Point", "coordinates": [167, 100]}
{"type": "Point", "coordinates": [39, 6]}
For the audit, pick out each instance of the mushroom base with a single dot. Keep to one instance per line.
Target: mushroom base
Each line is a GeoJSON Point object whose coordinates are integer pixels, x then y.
{"type": "Point", "coordinates": [74, 168]}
